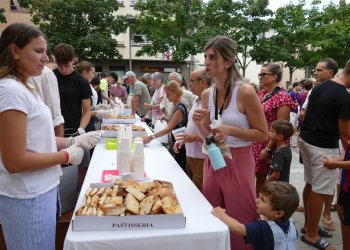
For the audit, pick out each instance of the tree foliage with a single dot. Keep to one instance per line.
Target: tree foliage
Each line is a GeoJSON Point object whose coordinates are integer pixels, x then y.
{"type": "Point", "coordinates": [290, 41]}
{"type": "Point", "coordinates": [243, 21]}
{"type": "Point", "coordinates": [87, 25]}
{"type": "Point", "coordinates": [330, 29]}
{"type": "Point", "coordinates": [170, 26]}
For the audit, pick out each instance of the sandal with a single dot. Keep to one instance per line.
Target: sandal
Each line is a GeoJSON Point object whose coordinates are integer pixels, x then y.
{"type": "Point", "coordinates": [333, 207]}
{"type": "Point", "coordinates": [321, 232]}
{"type": "Point", "coordinates": [328, 224]}
{"type": "Point", "coordinates": [321, 244]}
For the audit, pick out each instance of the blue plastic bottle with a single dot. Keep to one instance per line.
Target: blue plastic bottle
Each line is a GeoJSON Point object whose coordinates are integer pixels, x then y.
{"type": "Point", "coordinates": [215, 155]}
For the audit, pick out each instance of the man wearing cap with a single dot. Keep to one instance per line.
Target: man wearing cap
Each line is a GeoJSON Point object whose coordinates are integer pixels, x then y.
{"type": "Point", "coordinates": [140, 94]}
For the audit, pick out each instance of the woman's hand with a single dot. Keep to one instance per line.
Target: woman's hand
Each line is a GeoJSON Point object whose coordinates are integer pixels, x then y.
{"type": "Point", "coordinates": [221, 133]}
{"type": "Point", "coordinates": [147, 139]}
{"type": "Point", "coordinates": [187, 138]}
{"type": "Point", "coordinates": [199, 114]}
{"type": "Point", "coordinates": [265, 155]}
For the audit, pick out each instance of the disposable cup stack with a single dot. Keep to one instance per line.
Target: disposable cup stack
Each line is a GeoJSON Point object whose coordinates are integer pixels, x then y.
{"type": "Point", "coordinates": [138, 159]}
{"type": "Point", "coordinates": [124, 156]}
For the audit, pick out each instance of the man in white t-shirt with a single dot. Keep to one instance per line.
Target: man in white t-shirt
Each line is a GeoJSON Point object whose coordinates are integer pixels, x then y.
{"type": "Point", "coordinates": [47, 87]}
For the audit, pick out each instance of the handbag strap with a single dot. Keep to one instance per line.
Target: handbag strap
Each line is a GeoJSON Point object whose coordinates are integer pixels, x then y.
{"type": "Point", "coordinates": [274, 92]}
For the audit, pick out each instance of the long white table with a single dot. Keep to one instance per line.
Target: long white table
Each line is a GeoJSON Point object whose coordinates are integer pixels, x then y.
{"type": "Point", "coordinates": [203, 231]}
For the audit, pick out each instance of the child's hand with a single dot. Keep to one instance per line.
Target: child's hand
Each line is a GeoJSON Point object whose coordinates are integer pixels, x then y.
{"type": "Point", "coordinates": [219, 212]}
{"type": "Point", "coordinates": [328, 162]}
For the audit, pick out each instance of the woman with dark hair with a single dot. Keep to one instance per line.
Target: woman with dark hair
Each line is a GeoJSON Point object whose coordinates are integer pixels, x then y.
{"type": "Point", "coordinates": [276, 103]}
{"type": "Point", "coordinates": [95, 82]}
{"type": "Point", "coordinates": [237, 104]}
{"type": "Point", "coordinates": [29, 162]}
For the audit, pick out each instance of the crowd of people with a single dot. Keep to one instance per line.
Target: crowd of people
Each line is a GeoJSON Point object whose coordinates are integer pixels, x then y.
{"type": "Point", "coordinates": [50, 117]}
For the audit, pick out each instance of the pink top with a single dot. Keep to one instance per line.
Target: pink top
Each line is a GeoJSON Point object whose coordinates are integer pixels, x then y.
{"type": "Point", "coordinates": [282, 98]}
{"type": "Point", "coordinates": [118, 91]}
{"type": "Point", "coordinates": [194, 149]}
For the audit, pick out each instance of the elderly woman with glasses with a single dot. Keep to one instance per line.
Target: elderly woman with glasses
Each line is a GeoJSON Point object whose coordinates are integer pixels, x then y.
{"type": "Point", "coordinates": [276, 104]}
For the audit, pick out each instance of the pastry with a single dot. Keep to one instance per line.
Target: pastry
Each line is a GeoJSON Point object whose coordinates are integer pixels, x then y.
{"type": "Point", "coordinates": [132, 204]}
{"type": "Point", "coordinates": [146, 205]}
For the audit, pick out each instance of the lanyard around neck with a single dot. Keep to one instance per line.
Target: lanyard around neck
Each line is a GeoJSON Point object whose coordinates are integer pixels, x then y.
{"type": "Point", "coordinates": [216, 101]}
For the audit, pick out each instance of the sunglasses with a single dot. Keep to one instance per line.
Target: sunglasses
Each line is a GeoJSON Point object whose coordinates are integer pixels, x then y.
{"type": "Point", "coordinates": [264, 74]}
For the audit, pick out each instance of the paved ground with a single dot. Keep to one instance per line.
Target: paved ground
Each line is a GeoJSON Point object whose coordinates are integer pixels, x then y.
{"type": "Point", "coordinates": [297, 179]}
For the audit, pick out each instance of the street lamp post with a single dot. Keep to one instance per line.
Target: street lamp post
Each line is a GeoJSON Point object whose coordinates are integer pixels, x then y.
{"type": "Point", "coordinates": [130, 20]}
{"type": "Point", "coordinates": [130, 61]}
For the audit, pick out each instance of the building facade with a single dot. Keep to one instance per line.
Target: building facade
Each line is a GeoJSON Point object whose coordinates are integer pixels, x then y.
{"type": "Point", "coordinates": [127, 47]}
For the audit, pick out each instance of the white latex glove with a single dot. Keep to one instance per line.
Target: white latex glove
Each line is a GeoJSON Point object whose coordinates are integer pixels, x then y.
{"type": "Point", "coordinates": [81, 131]}
{"type": "Point", "coordinates": [75, 154]}
{"type": "Point", "coordinates": [101, 113]}
{"type": "Point", "coordinates": [88, 140]}
{"type": "Point", "coordinates": [101, 106]}
{"type": "Point", "coordinates": [112, 102]}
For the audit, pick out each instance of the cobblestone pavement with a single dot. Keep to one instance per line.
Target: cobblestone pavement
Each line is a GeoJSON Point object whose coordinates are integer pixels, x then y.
{"type": "Point", "coordinates": [297, 179]}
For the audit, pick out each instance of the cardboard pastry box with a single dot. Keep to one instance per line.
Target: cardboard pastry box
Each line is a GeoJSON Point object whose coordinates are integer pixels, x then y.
{"type": "Point", "coordinates": [119, 119]}
{"type": "Point", "coordinates": [129, 205]}
{"type": "Point", "coordinates": [135, 222]}
{"type": "Point", "coordinates": [111, 130]}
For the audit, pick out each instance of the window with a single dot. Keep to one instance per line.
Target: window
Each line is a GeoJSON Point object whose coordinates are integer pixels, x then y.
{"type": "Point", "coordinates": [120, 2]}
{"type": "Point", "coordinates": [120, 43]}
{"type": "Point", "coordinates": [15, 5]}
{"type": "Point", "coordinates": [139, 40]}
{"type": "Point", "coordinates": [19, 5]}
{"type": "Point", "coordinates": [133, 2]}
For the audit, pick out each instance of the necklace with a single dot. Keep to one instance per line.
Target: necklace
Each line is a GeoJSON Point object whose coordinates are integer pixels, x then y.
{"type": "Point", "coordinates": [216, 101]}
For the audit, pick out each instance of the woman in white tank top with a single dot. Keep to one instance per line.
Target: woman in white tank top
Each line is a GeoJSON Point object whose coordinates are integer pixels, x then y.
{"type": "Point", "coordinates": [231, 187]}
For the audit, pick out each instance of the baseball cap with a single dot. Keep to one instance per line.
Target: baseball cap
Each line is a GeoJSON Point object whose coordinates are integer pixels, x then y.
{"type": "Point", "coordinates": [129, 73]}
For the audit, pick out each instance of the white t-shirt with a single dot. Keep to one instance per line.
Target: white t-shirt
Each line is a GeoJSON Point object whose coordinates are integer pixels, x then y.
{"type": "Point", "coordinates": [194, 149]}
{"type": "Point", "coordinates": [47, 87]}
{"type": "Point", "coordinates": [40, 139]}
{"type": "Point", "coordinates": [94, 96]}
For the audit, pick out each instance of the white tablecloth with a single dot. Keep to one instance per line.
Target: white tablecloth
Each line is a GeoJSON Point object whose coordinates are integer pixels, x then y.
{"type": "Point", "coordinates": [203, 231]}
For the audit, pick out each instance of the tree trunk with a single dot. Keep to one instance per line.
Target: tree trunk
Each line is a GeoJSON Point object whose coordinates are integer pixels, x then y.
{"type": "Point", "coordinates": [291, 71]}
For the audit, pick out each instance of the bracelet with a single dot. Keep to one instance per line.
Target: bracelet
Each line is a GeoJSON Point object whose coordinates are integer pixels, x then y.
{"type": "Point", "coordinates": [66, 154]}
{"type": "Point", "coordinates": [153, 137]}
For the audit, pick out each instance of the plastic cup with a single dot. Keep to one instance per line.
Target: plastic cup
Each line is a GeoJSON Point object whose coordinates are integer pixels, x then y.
{"type": "Point", "coordinates": [138, 139]}
{"type": "Point", "coordinates": [128, 131]}
{"type": "Point", "coordinates": [125, 144]}
{"type": "Point", "coordinates": [138, 149]}
{"type": "Point", "coordinates": [121, 132]}
{"type": "Point", "coordinates": [178, 131]}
